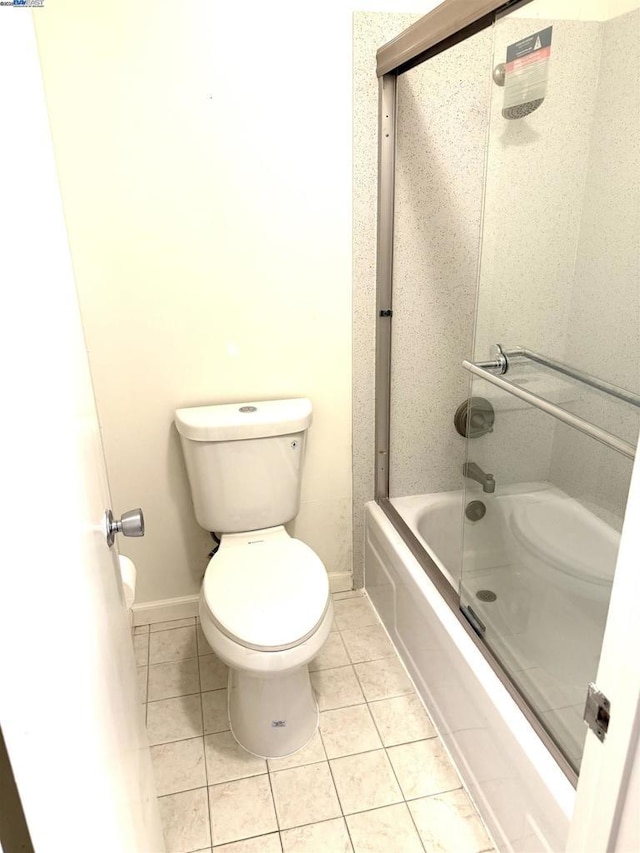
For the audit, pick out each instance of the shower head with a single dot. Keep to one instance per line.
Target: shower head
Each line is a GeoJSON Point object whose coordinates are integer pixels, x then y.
{"type": "Point", "coordinates": [524, 74]}
{"type": "Point", "coordinates": [521, 110]}
{"type": "Point", "coordinates": [514, 111]}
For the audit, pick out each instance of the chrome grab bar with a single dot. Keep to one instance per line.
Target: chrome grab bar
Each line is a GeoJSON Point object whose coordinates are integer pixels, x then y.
{"type": "Point", "coordinates": [560, 414]}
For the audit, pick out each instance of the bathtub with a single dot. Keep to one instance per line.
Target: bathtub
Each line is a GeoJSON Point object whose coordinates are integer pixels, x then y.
{"type": "Point", "coordinates": [581, 548]}
{"type": "Point", "coordinates": [549, 563]}
{"type": "Point", "coordinates": [523, 795]}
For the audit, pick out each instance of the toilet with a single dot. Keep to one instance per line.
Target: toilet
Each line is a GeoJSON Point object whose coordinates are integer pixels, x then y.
{"type": "Point", "coordinates": [265, 606]}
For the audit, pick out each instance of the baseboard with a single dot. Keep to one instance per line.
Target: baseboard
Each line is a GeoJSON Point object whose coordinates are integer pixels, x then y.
{"type": "Point", "coordinates": [340, 581]}
{"type": "Point", "coordinates": [165, 610]}
{"type": "Point", "coordinates": [180, 608]}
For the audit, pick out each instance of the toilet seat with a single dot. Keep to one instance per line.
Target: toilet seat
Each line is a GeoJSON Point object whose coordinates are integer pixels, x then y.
{"type": "Point", "coordinates": [266, 594]}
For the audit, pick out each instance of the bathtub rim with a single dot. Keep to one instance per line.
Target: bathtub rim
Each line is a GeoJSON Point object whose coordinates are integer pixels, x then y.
{"type": "Point", "coordinates": [452, 599]}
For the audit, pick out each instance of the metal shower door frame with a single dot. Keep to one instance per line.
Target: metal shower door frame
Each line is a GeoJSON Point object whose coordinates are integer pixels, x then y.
{"type": "Point", "coordinates": [609, 773]}
{"type": "Point", "coordinates": [449, 24]}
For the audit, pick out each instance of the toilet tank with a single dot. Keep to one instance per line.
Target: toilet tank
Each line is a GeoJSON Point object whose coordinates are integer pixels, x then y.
{"type": "Point", "coordinates": [244, 462]}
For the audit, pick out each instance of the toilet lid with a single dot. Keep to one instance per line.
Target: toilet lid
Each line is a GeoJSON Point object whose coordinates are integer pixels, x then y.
{"type": "Point", "coordinates": [267, 595]}
{"type": "Point", "coordinates": [569, 537]}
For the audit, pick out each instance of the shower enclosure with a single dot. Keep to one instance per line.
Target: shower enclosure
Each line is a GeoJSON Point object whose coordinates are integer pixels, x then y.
{"type": "Point", "coordinates": [508, 336]}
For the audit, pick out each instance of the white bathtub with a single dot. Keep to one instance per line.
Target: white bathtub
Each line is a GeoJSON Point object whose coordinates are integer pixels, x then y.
{"type": "Point", "coordinates": [582, 548]}
{"type": "Point", "coordinates": [524, 797]}
{"type": "Point", "coordinates": [550, 562]}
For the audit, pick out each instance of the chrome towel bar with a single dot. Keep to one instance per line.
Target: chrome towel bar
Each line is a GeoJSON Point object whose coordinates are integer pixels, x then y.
{"type": "Point", "coordinates": [580, 375]}
{"type": "Point", "coordinates": [565, 417]}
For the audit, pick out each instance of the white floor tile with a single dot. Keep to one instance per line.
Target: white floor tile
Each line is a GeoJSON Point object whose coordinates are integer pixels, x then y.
{"type": "Point", "coordinates": [227, 760]}
{"type": "Point", "coordinates": [386, 830]}
{"type": "Point", "coordinates": [241, 809]}
{"type": "Point", "coordinates": [261, 844]}
{"type": "Point", "coordinates": [423, 768]}
{"type": "Point", "coordinates": [365, 781]}
{"type": "Point", "coordinates": [383, 679]}
{"type": "Point", "coordinates": [401, 720]}
{"type": "Point", "coordinates": [332, 654]}
{"type": "Point", "coordinates": [179, 766]}
{"type": "Point", "coordinates": [346, 731]}
{"type": "Point", "coordinates": [174, 719]}
{"type": "Point", "coordinates": [193, 747]}
{"type": "Point", "coordinates": [336, 688]}
{"type": "Point", "coordinates": [354, 613]}
{"type": "Point", "coordinates": [367, 643]}
{"type": "Point", "coordinates": [309, 754]}
{"type": "Point", "coordinates": [214, 674]}
{"type": "Point", "coordinates": [174, 678]}
{"type": "Point", "coordinates": [185, 821]}
{"type": "Point", "coordinates": [174, 623]}
{"type": "Point", "coordinates": [304, 795]}
{"type": "Point", "coordinates": [330, 836]}
{"type": "Point", "coordinates": [215, 712]}
{"type": "Point", "coordinates": [172, 645]}
{"type": "Point", "coordinates": [449, 823]}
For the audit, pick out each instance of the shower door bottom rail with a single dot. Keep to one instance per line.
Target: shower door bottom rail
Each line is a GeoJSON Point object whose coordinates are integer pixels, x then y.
{"type": "Point", "coordinates": [555, 411]}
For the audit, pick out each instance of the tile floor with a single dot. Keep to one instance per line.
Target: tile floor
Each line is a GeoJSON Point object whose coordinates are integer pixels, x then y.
{"type": "Point", "coordinates": [374, 779]}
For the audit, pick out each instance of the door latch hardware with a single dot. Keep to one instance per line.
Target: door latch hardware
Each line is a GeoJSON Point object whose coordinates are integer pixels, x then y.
{"type": "Point", "coordinates": [386, 312]}
{"type": "Point", "coordinates": [597, 712]}
{"type": "Point", "coordinates": [131, 524]}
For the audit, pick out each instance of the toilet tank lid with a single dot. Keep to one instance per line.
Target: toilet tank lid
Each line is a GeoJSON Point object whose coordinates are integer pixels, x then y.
{"type": "Point", "coordinates": [236, 421]}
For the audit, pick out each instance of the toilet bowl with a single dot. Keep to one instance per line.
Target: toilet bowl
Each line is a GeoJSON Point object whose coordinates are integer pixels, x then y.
{"type": "Point", "coordinates": [265, 604]}
{"type": "Point", "coordinates": [266, 611]}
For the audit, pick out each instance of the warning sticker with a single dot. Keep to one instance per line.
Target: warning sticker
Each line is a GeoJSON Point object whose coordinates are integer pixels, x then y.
{"type": "Point", "coordinates": [526, 74]}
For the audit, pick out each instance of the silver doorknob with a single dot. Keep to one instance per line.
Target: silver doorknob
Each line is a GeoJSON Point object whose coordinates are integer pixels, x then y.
{"type": "Point", "coordinates": [131, 524]}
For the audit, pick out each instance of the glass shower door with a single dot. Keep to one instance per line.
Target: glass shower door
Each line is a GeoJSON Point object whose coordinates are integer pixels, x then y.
{"type": "Point", "coordinates": [551, 429]}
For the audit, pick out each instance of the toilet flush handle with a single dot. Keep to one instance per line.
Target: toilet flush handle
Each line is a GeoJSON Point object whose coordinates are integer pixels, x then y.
{"type": "Point", "coordinates": [131, 524]}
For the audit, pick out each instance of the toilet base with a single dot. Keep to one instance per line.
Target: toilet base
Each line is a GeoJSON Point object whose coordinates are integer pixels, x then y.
{"type": "Point", "coordinates": [272, 716]}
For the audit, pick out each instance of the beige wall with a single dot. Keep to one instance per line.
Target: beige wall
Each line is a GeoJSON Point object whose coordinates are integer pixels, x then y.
{"type": "Point", "coordinates": [207, 200]}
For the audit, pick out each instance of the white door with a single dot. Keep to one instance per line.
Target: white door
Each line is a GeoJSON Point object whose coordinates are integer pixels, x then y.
{"type": "Point", "coordinates": [69, 706]}
{"type": "Point", "coordinates": [606, 814]}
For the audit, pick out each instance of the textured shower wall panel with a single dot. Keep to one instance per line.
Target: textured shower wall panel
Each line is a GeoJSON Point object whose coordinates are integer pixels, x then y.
{"type": "Point", "coordinates": [536, 172]}
{"type": "Point", "coordinates": [370, 31]}
{"type": "Point", "coordinates": [442, 126]}
{"type": "Point", "coordinates": [603, 330]}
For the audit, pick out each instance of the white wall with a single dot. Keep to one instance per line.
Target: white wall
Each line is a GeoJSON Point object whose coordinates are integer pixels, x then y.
{"type": "Point", "coordinates": [204, 153]}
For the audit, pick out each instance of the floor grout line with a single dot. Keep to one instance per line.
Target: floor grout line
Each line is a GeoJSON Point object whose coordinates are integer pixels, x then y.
{"type": "Point", "coordinates": [204, 755]}
{"type": "Point", "coordinates": [335, 787]}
